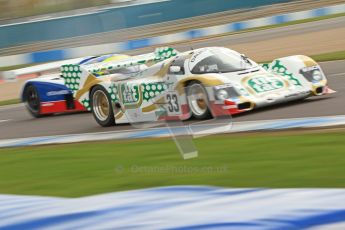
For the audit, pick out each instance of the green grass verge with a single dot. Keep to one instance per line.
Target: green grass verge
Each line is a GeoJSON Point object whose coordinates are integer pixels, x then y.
{"type": "Point", "coordinates": [6, 68]}
{"type": "Point", "coordinates": [289, 23]}
{"type": "Point", "coordinates": [9, 102]}
{"type": "Point", "coordinates": [333, 56]}
{"type": "Point", "coordinates": [261, 160]}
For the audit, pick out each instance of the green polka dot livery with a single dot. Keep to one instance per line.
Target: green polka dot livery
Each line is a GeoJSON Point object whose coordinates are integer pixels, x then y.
{"type": "Point", "coordinates": [86, 104]}
{"type": "Point", "coordinates": [164, 53]}
{"type": "Point", "coordinates": [113, 92]}
{"type": "Point", "coordinates": [152, 90]}
{"type": "Point", "coordinates": [71, 75]}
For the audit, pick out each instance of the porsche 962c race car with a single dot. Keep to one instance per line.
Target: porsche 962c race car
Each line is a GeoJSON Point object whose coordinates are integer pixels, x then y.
{"type": "Point", "coordinates": [201, 83]}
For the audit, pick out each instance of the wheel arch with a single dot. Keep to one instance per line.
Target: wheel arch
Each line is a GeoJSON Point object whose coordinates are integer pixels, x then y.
{"type": "Point", "coordinates": [104, 84]}
{"type": "Point", "coordinates": [205, 80]}
{"type": "Point", "coordinates": [24, 87]}
{"type": "Point", "coordinates": [188, 82]}
{"type": "Point", "coordinates": [22, 91]}
{"type": "Point", "coordinates": [85, 91]}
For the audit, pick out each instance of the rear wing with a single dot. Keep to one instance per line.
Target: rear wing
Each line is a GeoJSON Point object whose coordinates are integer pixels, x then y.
{"type": "Point", "coordinates": [160, 54]}
{"type": "Point", "coordinates": [42, 69]}
{"type": "Point", "coordinates": [76, 75]}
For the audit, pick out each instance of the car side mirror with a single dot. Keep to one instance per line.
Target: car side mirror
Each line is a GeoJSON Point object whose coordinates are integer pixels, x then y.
{"type": "Point", "coordinates": [244, 56]}
{"type": "Point", "coordinates": [175, 69]}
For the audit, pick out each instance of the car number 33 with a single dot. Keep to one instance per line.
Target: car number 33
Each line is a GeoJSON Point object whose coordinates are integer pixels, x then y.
{"type": "Point", "coordinates": [172, 104]}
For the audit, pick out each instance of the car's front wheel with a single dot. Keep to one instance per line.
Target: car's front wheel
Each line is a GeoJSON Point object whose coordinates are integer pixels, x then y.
{"type": "Point", "coordinates": [198, 100]}
{"type": "Point", "coordinates": [101, 106]}
{"type": "Point", "coordinates": [32, 100]}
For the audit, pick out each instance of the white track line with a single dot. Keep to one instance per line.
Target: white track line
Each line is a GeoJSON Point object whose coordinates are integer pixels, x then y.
{"type": "Point", "coordinates": [6, 107]}
{"type": "Point", "coordinates": [336, 75]}
{"type": "Point", "coordinates": [164, 132]}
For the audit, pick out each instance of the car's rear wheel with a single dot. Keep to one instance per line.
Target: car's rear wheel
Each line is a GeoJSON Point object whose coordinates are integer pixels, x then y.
{"type": "Point", "coordinates": [101, 106]}
{"type": "Point", "coordinates": [198, 100]}
{"type": "Point", "coordinates": [32, 101]}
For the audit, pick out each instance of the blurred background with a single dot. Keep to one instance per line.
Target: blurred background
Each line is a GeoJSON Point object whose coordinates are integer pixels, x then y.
{"type": "Point", "coordinates": [78, 22]}
{"type": "Point", "coordinates": [29, 8]}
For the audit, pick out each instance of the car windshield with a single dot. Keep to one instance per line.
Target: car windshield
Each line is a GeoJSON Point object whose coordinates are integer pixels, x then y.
{"type": "Point", "coordinates": [222, 63]}
{"type": "Point", "coordinates": [131, 70]}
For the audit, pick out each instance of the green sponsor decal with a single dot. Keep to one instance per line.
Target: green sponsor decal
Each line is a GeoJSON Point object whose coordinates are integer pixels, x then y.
{"type": "Point", "coordinates": [265, 84]}
{"type": "Point", "coordinates": [130, 93]}
{"type": "Point", "coordinates": [280, 69]}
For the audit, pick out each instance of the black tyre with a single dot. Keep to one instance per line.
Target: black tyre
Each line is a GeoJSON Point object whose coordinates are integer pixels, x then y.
{"type": "Point", "coordinates": [32, 100]}
{"type": "Point", "coordinates": [101, 106]}
{"type": "Point", "coordinates": [198, 100]}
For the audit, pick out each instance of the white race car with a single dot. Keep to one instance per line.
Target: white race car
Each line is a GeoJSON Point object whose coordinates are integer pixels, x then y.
{"type": "Point", "coordinates": [167, 85]}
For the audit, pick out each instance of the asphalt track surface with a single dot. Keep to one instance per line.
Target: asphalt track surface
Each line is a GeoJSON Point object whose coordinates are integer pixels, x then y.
{"type": "Point", "coordinates": [15, 122]}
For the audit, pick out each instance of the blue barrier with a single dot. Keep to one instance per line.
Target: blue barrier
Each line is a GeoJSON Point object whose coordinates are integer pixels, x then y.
{"type": "Point", "coordinates": [117, 18]}
{"type": "Point", "coordinates": [179, 207]}
{"type": "Point", "coordinates": [119, 47]}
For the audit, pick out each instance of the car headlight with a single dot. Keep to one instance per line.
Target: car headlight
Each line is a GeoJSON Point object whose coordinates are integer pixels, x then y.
{"type": "Point", "coordinates": [317, 75]}
{"type": "Point", "coordinates": [312, 74]}
{"type": "Point", "coordinates": [222, 94]}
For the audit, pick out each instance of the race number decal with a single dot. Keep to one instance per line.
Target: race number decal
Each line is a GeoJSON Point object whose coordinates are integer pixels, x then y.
{"type": "Point", "coordinates": [172, 104]}
{"type": "Point", "coordinates": [265, 84]}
